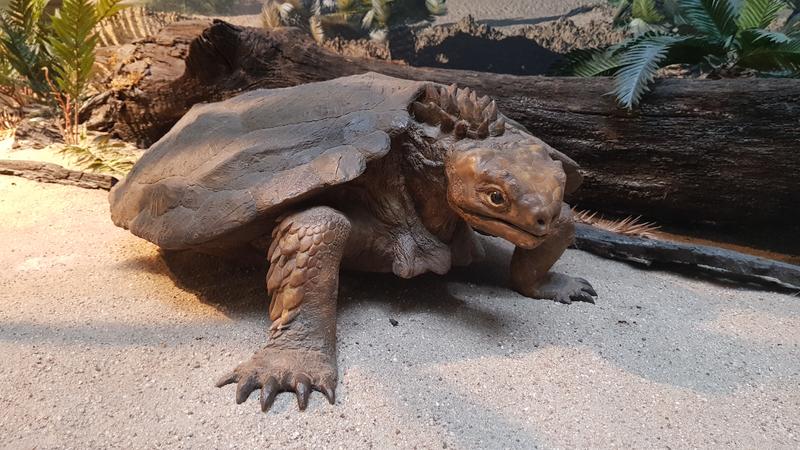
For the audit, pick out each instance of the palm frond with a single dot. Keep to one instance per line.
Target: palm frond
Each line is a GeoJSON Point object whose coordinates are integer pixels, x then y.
{"type": "Point", "coordinates": [712, 18]}
{"type": "Point", "coordinates": [759, 13]}
{"type": "Point", "coordinates": [638, 66]}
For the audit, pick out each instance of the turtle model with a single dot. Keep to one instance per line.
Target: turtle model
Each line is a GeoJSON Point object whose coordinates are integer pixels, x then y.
{"type": "Point", "coordinates": [367, 173]}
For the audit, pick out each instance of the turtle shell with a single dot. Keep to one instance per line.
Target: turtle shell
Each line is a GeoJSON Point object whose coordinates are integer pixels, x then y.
{"type": "Point", "coordinates": [222, 174]}
{"type": "Point", "coordinates": [226, 166]}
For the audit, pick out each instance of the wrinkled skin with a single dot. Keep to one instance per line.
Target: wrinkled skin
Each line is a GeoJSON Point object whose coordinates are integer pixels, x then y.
{"type": "Point", "coordinates": [407, 218]}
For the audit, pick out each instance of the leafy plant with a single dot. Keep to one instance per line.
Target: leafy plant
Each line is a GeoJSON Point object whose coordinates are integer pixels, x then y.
{"type": "Point", "coordinates": [72, 42]}
{"type": "Point", "coordinates": [22, 42]}
{"type": "Point", "coordinates": [368, 16]}
{"type": "Point", "coordinates": [715, 36]}
{"type": "Point", "coordinates": [54, 58]}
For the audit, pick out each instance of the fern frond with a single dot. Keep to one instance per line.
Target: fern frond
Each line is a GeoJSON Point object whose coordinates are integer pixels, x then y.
{"type": "Point", "coordinates": [381, 12]}
{"type": "Point", "coordinates": [23, 53]}
{"type": "Point", "coordinates": [638, 66]}
{"type": "Point", "coordinates": [25, 15]}
{"type": "Point", "coordinates": [592, 62]}
{"type": "Point", "coordinates": [759, 13]}
{"type": "Point", "coordinates": [783, 56]}
{"type": "Point", "coordinates": [712, 18]}
{"type": "Point", "coordinates": [775, 37]}
{"type": "Point", "coordinates": [107, 8]}
{"type": "Point", "coordinates": [646, 10]}
{"type": "Point", "coordinates": [72, 45]}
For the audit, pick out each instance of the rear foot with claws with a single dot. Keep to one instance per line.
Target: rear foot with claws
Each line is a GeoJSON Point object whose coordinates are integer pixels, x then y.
{"type": "Point", "coordinates": [565, 289]}
{"type": "Point", "coordinates": [274, 370]}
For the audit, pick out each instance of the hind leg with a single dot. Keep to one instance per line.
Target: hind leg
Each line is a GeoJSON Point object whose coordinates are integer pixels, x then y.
{"type": "Point", "coordinates": [303, 280]}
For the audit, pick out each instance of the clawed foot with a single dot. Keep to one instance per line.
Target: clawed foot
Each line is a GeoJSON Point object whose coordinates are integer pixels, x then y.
{"type": "Point", "coordinates": [275, 370]}
{"type": "Point", "coordinates": [563, 289]}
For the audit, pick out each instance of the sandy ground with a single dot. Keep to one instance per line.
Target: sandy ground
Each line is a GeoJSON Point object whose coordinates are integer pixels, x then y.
{"type": "Point", "coordinates": [105, 342]}
{"type": "Point", "coordinates": [514, 13]}
{"type": "Point", "coordinates": [502, 14]}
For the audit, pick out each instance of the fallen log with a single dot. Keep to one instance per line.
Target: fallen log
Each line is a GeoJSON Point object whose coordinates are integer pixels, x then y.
{"type": "Point", "coordinates": [53, 173]}
{"type": "Point", "coordinates": [714, 261]}
{"type": "Point", "coordinates": [697, 151]}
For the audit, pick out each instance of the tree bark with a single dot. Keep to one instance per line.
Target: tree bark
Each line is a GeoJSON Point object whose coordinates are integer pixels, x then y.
{"type": "Point", "coordinates": [713, 261]}
{"type": "Point", "coordinates": [53, 173]}
{"type": "Point", "coordinates": [696, 151]}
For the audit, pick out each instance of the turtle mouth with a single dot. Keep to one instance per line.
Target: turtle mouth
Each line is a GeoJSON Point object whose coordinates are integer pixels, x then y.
{"type": "Point", "coordinates": [498, 227]}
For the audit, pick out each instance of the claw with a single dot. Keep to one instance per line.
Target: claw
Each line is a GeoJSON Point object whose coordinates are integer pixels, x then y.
{"type": "Point", "coordinates": [302, 388]}
{"type": "Point", "coordinates": [227, 379]}
{"type": "Point", "coordinates": [245, 388]}
{"type": "Point", "coordinates": [268, 394]}
{"type": "Point", "coordinates": [590, 290]}
{"type": "Point", "coordinates": [329, 393]}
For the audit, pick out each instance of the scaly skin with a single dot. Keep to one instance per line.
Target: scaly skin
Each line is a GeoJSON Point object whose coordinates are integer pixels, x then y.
{"type": "Point", "coordinates": [305, 254]}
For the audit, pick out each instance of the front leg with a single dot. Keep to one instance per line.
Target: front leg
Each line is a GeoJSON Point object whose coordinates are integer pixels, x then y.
{"type": "Point", "coordinates": [530, 269]}
{"type": "Point", "coordinates": [303, 279]}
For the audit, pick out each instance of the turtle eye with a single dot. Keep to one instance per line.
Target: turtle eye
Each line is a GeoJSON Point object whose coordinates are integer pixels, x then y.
{"type": "Point", "coordinates": [497, 198]}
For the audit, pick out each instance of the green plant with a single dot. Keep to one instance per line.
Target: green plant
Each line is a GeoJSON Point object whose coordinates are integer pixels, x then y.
{"type": "Point", "coordinates": [54, 58]}
{"type": "Point", "coordinates": [715, 36]}
{"type": "Point", "coordinates": [72, 42]}
{"type": "Point", "coordinates": [22, 42]}
{"type": "Point", "coordinates": [373, 16]}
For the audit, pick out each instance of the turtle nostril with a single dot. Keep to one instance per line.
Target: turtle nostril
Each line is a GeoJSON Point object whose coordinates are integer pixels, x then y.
{"type": "Point", "coordinates": [541, 222]}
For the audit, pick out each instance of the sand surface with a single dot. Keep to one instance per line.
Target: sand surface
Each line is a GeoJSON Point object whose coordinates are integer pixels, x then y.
{"type": "Point", "coordinates": [106, 343]}
{"type": "Point", "coordinates": [515, 13]}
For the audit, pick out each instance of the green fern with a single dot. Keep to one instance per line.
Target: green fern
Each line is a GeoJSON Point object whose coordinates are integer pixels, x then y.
{"type": "Point", "coordinates": [714, 36]}
{"type": "Point", "coordinates": [774, 56]}
{"type": "Point", "coordinates": [714, 19]}
{"type": "Point", "coordinates": [647, 11]}
{"type": "Point", "coordinates": [759, 13]}
{"type": "Point", "coordinates": [638, 66]}
{"type": "Point", "coordinates": [21, 41]}
{"type": "Point", "coordinates": [593, 62]}
{"type": "Point", "coordinates": [72, 44]}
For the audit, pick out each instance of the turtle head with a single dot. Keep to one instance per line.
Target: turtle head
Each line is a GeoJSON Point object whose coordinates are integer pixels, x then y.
{"type": "Point", "coordinates": [514, 192]}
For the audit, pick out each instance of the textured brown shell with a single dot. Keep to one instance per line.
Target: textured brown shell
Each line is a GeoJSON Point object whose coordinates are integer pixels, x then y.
{"type": "Point", "coordinates": [224, 166]}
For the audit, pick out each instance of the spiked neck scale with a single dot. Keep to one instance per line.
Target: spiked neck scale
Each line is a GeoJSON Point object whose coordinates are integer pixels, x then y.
{"type": "Point", "coordinates": [458, 111]}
